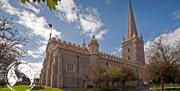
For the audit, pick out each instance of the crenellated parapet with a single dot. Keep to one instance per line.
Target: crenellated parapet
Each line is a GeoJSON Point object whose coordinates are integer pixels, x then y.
{"type": "Point", "coordinates": [117, 59]}
{"type": "Point", "coordinates": [109, 56]}
{"type": "Point", "coordinates": [68, 45]}
{"type": "Point", "coordinates": [58, 43]}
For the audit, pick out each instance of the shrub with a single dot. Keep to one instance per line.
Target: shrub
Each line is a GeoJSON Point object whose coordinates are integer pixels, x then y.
{"type": "Point", "coordinates": [38, 86]}
{"type": "Point", "coordinates": [3, 83]}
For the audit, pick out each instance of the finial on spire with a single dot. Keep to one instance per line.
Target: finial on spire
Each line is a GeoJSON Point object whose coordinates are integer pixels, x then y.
{"type": "Point", "coordinates": [50, 25]}
{"type": "Point", "coordinates": [84, 43]}
{"type": "Point", "coordinates": [141, 36]}
{"type": "Point", "coordinates": [123, 37]}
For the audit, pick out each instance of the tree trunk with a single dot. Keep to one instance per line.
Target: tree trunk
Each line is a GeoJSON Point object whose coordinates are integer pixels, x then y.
{"type": "Point", "coordinates": [112, 83]}
{"type": "Point", "coordinates": [162, 85]}
{"type": "Point", "coordinates": [107, 84]}
{"type": "Point", "coordinates": [123, 83]}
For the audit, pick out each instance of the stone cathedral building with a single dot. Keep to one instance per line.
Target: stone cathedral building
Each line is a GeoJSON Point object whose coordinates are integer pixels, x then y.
{"type": "Point", "coordinates": [66, 63]}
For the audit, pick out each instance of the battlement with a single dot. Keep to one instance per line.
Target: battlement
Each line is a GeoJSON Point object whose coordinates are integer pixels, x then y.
{"type": "Point", "coordinates": [79, 48]}
{"type": "Point", "coordinates": [109, 56]}
{"type": "Point", "coordinates": [69, 45]}
{"type": "Point", "coordinates": [117, 59]}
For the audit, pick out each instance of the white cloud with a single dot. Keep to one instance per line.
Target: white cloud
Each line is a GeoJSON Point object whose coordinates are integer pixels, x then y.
{"type": "Point", "coordinates": [31, 8]}
{"type": "Point", "coordinates": [33, 53]}
{"type": "Point", "coordinates": [67, 10]}
{"type": "Point", "coordinates": [120, 49]}
{"type": "Point", "coordinates": [177, 14]}
{"type": "Point", "coordinates": [37, 25]}
{"type": "Point", "coordinates": [91, 23]}
{"type": "Point", "coordinates": [36, 67]}
{"type": "Point", "coordinates": [168, 38]}
{"type": "Point", "coordinates": [100, 34]}
{"type": "Point", "coordinates": [107, 1]}
{"type": "Point", "coordinates": [88, 19]}
{"type": "Point", "coordinates": [30, 20]}
{"type": "Point", "coordinates": [6, 6]}
{"type": "Point", "coordinates": [117, 51]}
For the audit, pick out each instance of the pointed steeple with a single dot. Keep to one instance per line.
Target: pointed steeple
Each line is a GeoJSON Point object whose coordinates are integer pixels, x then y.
{"type": "Point", "coordinates": [132, 32]}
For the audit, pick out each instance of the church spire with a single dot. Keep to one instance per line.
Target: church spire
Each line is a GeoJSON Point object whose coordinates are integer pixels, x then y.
{"type": "Point", "coordinates": [132, 32]}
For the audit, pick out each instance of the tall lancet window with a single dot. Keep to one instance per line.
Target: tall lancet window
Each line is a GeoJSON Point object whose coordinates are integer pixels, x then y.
{"type": "Point", "coordinates": [70, 67]}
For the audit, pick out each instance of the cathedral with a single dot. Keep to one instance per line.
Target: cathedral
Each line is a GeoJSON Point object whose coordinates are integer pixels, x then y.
{"type": "Point", "coordinates": [66, 63]}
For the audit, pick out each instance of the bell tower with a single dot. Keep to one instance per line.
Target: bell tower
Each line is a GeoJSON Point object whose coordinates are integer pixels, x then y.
{"type": "Point", "coordinates": [133, 44]}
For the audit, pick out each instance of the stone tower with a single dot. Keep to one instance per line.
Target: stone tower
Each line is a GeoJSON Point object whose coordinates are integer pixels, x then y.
{"type": "Point", "coordinates": [93, 46]}
{"type": "Point", "coordinates": [133, 44]}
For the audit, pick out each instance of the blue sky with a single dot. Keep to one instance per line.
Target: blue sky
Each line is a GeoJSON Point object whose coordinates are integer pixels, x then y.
{"type": "Point", "coordinates": [74, 20]}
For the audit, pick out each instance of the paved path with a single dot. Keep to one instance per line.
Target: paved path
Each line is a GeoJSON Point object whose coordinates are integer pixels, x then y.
{"type": "Point", "coordinates": [142, 88]}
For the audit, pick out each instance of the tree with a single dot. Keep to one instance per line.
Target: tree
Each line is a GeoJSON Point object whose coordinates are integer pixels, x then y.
{"type": "Point", "coordinates": [128, 74]}
{"type": "Point", "coordinates": [50, 3]}
{"type": "Point", "coordinates": [96, 73]}
{"type": "Point", "coordinates": [112, 74]}
{"type": "Point", "coordinates": [162, 57]}
{"type": "Point", "coordinates": [101, 73]}
{"type": "Point", "coordinates": [9, 44]}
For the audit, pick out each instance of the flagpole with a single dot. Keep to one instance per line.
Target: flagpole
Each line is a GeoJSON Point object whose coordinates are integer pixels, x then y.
{"type": "Point", "coordinates": [50, 25]}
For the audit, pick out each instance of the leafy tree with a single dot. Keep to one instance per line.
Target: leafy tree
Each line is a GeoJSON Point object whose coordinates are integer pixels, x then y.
{"type": "Point", "coordinates": [96, 73]}
{"type": "Point", "coordinates": [9, 44]}
{"type": "Point", "coordinates": [112, 74]}
{"type": "Point", "coordinates": [50, 3]}
{"type": "Point", "coordinates": [128, 74]}
{"type": "Point", "coordinates": [162, 57]}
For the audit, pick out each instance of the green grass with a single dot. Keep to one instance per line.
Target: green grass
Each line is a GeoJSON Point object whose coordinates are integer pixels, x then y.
{"type": "Point", "coordinates": [166, 87]}
{"type": "Point", "coordinates": [24, 87]}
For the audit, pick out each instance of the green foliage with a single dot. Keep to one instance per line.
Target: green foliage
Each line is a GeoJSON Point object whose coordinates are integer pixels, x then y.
{"type": "Point", "coordinates": [25, 87]}
{"type": "Point", "coordinates": [162, 67]}
{"type": "Point", "coordinates": [166, 88]}
{"type": "Point", "coordinates": [50, 3]}
{"type": "Point", "coordinates": [10, 38]}
{"type": "Point", "coordinates": [127, 73]}
{"type": "Point", "coordinates": [3, 83]}
{"type": "Point", "coordinates": [100, 73]}
{"type": "Point", "coordinates": [155, 71]}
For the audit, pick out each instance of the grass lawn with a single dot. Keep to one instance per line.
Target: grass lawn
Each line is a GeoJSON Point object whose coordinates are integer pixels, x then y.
{"type": "Point", "coordinates": [167, 88]}
{"type": "Point", "coordinates": [24, 87]}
